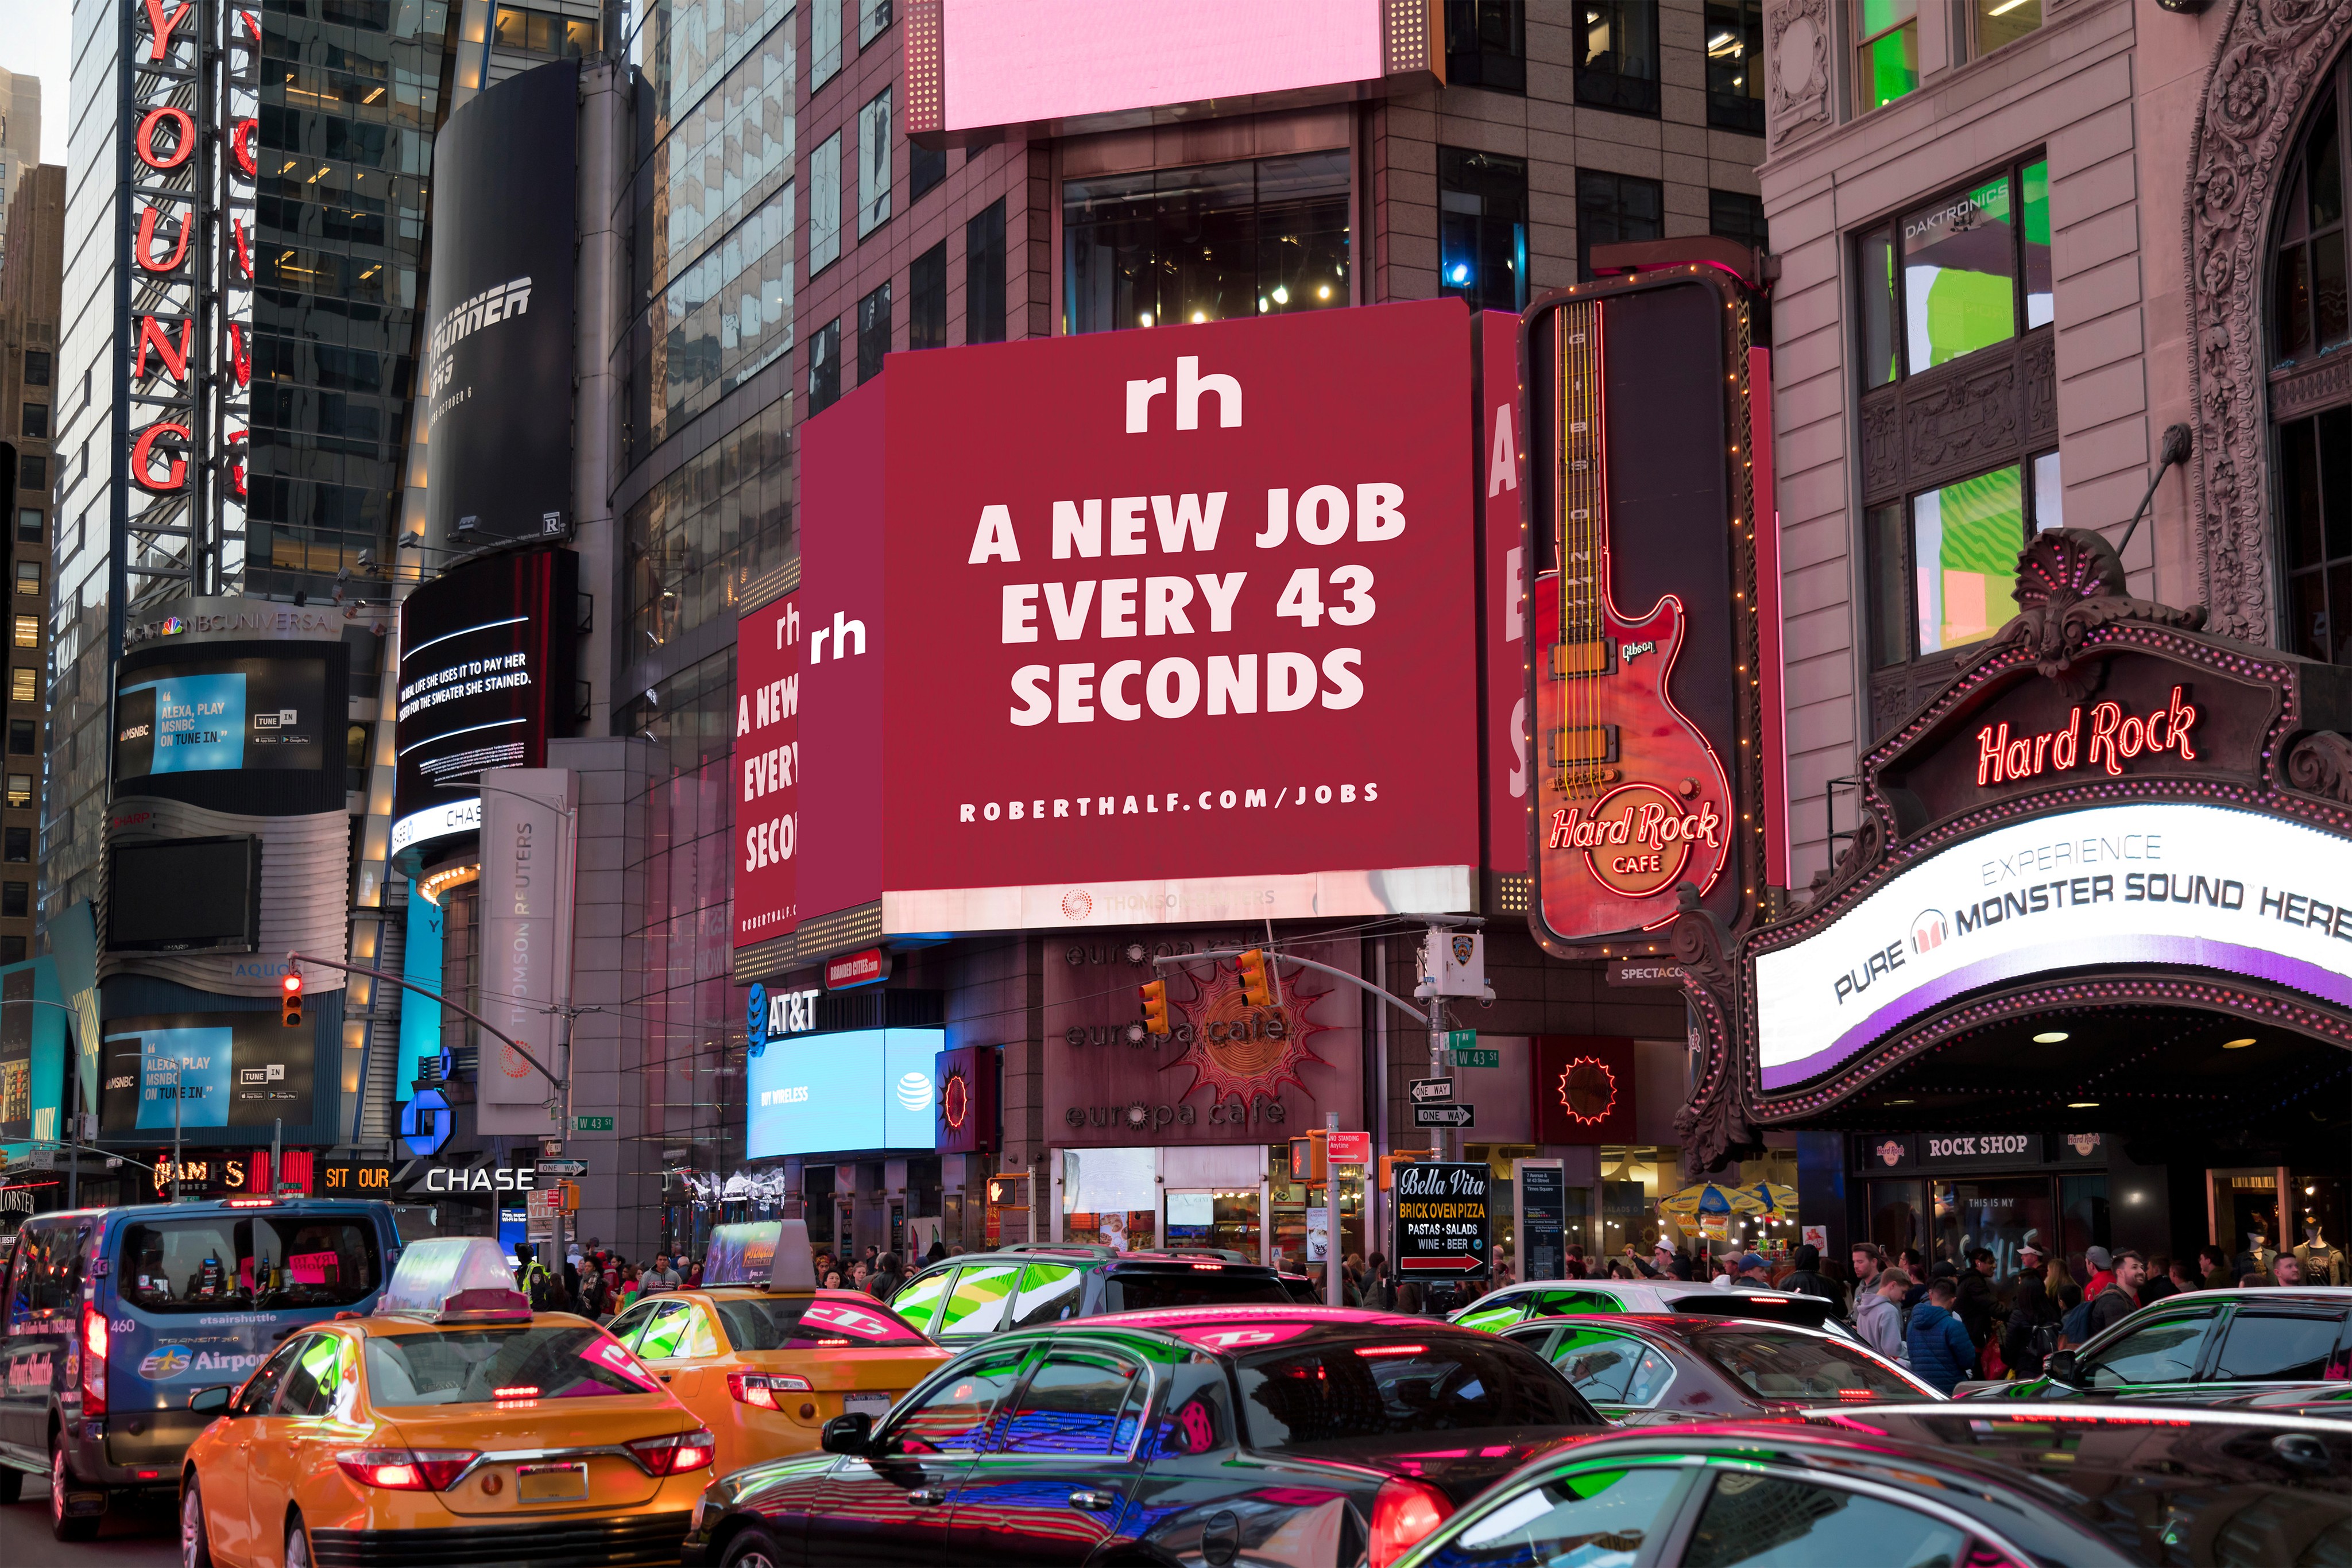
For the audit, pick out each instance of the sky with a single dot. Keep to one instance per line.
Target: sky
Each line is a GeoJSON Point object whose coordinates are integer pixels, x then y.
{"type": "Point", "coordinates": [36, 39]}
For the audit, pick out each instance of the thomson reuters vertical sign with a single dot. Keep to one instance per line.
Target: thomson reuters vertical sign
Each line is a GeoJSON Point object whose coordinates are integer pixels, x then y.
{"type": "Point", "coordinates": [767, 770]}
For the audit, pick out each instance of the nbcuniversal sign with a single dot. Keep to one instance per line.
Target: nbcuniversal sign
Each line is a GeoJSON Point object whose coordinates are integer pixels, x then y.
{"type": "Point", "coordinates": [2177, 884]}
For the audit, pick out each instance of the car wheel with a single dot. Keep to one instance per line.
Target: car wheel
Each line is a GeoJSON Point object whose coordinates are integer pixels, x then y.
{"type": "Point", "coordinates": [298, 1543]}
{"type": "Point", "coordinates": [63, 1525]}
{"type": "Point", "coordinates": [196, 1551]}
{"type": "Point", "coordinates": [753, 1549]}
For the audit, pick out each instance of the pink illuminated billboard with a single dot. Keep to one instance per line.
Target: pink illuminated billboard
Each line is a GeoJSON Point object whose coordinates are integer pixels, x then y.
{"type": "Point", "coordinates": [1055, 67]}
{"type": "Point", "coordinates": [1143, 627]}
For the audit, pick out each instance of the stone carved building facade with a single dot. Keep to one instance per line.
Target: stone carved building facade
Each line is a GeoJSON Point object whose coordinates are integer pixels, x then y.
{"type": "Point", "coordinates": [2150, 153]}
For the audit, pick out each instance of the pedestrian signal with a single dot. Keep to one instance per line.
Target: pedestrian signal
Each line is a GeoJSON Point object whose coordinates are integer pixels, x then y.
{"type": "Point", "coordinates": [1155, 1007]}
{"type": "Point", "coordinates": [1255, 990]}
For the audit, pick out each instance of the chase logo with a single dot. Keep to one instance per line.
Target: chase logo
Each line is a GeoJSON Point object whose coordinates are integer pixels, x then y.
{"type": "Point", "coordinates": [165, 1360]}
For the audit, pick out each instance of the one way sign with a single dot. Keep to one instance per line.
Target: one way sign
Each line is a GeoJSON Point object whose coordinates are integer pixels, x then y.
{"type": "Point", "coordinates": [1424, 1090]}
{"type": "Point", "coordinates": [1446, 1115]}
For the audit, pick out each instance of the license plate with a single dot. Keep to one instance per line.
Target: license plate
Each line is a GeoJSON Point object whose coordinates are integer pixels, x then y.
{"type": "Point", "coordinates": [874, 1404]}
{"type": "Point", "coordinates": [550, 1483]}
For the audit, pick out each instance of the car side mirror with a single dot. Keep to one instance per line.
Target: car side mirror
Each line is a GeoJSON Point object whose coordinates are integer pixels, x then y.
{"type": "Point", "coordinates": [2061, 1366]}
{"type": "Point", "coordinates": [212, 1401]}
{"type": "Point", "coordinates": [851, 1434]}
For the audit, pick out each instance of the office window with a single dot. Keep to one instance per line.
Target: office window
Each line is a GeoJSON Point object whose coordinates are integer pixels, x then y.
{"type": "Point", "coordinates": [1617, 55]}
{"type": "Point", "coordinates": [19, 845]}
{"type": "Point", "coordinates": [874, 165]}
{"type": "Point", "coordinates": [1482, 228]}
{"type": "Point", "coordinates": [1736, 215]}
{"type": "Point", "coordinates": [531, 32]}
{"type": "Point", "coordinates": [824, 366]}
{"type": "Point", "coordinates": [926, 298]}
{"type": "Point", "coordinates": [28, 578]}
{"type": "Point", "coordinates": [1887, 62]}
{"type": "Point", "coordinates": [24, 737]}
{"type": "Point", "coordinates": [1962, 273]}
{"type": "Point", "coordinates": [824, 202]}
{"type": "Point", "coordinates": [1487, 43]}
{"type": "Point", "coordinates": [16, 899]}
{"type": "Point", "coordinates": [926, 167]}
{"type": "Point", "coordinates": [37, 367]}
{"type": "Point", "coordinates": [12, 949]}
{"type": "Point", "coordinates": [1206, 244]}
{"type": "Point", "coordinates": [873, 16]}
{"type": "Point", "coordinates": [28, 631]}
{"type": "Point", "coordinates": [1735, 65]}
{"type": "Point", "coordinates": [33, 470]}
{"type": "Point", "coordinates": [1610, 208]}
{"type": "Point", "coordinates": [1997, 22]}
{"type": "Point", "coordinates": [28, 525]}
{"type": "Point", "coordinates": [1942, 564]}
{"type": "Point", "coordinates": [825, 43]}
{"type": "Point", "coordinates": [983, 276]}
{"type": "Point", "coordinates": [23, 685]}
{"type": "Point", "coordinates": [2311, 307]}
{"type": "Point", "coordinates": [872, 333]}
{"type": "Point", "coordinates": [36, 422]}
{"type": "Point", "coordinates": [20, 790]}
{"type": "Point", "coordinates": [2314, 502]}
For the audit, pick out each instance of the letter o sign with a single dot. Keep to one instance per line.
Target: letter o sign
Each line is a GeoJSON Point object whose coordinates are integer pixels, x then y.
{"type": "Point", "coordinates": [145, 143]}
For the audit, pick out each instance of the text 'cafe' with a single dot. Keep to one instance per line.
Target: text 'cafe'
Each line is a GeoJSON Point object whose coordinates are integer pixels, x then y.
{"type": "Point", "coordinates": [2083, 974]}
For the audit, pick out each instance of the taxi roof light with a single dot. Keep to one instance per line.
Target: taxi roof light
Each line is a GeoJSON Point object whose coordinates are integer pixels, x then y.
{"type": "Point", "coordinates": [771, 1253]}
{"type": "Point", "coordinates": [454, 1279]}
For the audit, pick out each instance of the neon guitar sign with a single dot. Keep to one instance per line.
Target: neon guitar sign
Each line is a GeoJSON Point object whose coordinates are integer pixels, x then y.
{"type": "Point", "coordinates": [1632, 802]}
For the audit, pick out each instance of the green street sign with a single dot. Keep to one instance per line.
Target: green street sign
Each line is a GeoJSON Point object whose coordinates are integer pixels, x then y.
{"type": "Point", "coordinates": [1493, 1058]}
{"type": "Point", "coordinates": [591, 1123]}
{"type": "Point", "coordinates": [1462, 1039]}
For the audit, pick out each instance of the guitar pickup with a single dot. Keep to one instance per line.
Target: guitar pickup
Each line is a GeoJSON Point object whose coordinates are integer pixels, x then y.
{"type": "Point", "coordinates": [1581, 744]}
{"type": "Point", "coordinates": [1572, 660]}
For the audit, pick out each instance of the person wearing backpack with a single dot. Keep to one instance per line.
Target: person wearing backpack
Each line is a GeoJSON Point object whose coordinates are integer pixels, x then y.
{"type": "Point", "coordinates": [2032, 1332]}
{"type": "Point", "coordinates": [532, 1279]}
{"type": "Point", "coordinates": [2120, 1299]}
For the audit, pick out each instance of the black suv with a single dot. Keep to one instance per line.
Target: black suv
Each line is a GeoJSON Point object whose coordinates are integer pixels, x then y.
{"type": "Point", "coordinates": [963, 1298]}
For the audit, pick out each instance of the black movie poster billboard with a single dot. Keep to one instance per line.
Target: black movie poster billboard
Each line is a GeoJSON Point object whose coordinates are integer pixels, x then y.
{"type": "Point", "coordinates": [499, 354]}
{"type": "Point", "coordinates": [488, 655]}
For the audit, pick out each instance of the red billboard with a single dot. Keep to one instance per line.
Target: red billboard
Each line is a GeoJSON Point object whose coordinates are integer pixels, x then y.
{"type": "Point", "coordinates": [767, 771]}
{"type": "Point", "coordinates": [1146, 627]}
{"type": "Point", "coordinates": [1503, 640]}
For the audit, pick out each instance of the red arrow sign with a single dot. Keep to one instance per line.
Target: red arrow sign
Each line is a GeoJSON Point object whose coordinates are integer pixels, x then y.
{"type": "Point", "coordinates": [1441, 1265]}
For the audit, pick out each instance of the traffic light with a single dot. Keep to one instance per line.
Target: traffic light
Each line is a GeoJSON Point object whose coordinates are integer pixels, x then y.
{"type": "Point", "coordinates": [1155, 1007]}
{"type": "Point", "coordinates": [567, 1197]}
{"type": "Point", "coordinates": [1255, 989]}
{"type": "Point", "coordinates": [289, 1000]}
{"type": "Point", "coordinates": [1309, 1161]}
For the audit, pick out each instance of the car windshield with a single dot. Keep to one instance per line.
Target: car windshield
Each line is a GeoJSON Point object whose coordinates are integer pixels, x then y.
{"type": "Point", "coordinates": [481, 1366]}
{"type": "Point", "coordinates": [812, 1322]}
{"type": "Point", "coordinates": [1140, 1291]}
{"type": "Point", "coordinates": [1801, 1368]}
{"type": "Point", "coordinates": [228, 1260]}
{"type": "Point", "coordinates": [1338, 1394]}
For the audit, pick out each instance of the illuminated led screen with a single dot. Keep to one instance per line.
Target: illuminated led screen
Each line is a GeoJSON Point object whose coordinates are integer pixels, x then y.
{"type": "Point", "coordinates": [861, 1089]}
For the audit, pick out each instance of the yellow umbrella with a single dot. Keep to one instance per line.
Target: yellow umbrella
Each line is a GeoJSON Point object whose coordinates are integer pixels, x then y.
{"type": "Point", "coordinates": [1711, 1198]}
{"type": "Point", "coordinates": [1775, 1199]}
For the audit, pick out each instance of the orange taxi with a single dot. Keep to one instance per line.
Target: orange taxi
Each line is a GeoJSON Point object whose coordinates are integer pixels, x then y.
{"type": "Point", "coordinates": [452, 1425]}
{"type": "Point", "coordinates": [762, 1356]}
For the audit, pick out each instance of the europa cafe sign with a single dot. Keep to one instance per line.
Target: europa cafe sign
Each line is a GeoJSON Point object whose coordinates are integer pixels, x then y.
{"type": "Point", "coordinates": [191, 108]}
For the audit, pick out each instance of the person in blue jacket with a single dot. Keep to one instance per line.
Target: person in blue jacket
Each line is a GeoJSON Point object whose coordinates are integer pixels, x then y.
{"type": "Point", "coordinates": [1942, 1351]}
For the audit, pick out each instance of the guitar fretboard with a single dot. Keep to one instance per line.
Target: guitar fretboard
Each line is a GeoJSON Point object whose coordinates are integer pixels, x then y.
{"type": "Point", "coordinates": [1583, 744]}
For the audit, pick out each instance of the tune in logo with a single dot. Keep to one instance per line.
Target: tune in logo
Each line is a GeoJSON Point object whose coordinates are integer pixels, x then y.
{"type": "Point", "coordinates": [1926, 931]}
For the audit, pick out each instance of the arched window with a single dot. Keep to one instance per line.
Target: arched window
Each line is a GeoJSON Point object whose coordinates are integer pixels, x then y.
{"type": "Point", "coordinates": [2310, 325]}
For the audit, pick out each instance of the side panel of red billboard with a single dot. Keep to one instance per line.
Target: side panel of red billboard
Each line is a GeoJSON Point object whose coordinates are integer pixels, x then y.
{"type": "Point", "coordinates": [1502, 642]}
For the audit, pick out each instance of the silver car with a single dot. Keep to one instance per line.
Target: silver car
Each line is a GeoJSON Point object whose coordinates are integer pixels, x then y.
{"type": "Point", "coordinates": [1497, 1310]}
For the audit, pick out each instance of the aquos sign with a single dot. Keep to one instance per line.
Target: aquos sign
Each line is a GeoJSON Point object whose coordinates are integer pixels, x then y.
{"type": "Point", "coordinates": [2188, 885]}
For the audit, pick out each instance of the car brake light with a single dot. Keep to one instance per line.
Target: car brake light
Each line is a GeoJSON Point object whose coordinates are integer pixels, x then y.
{"type": "Point", "coordinates": [93, 1362]}
{"type": "Point", "coordinates": [1208, 1267]}
{"type": "Point", "coordinates": [760, 1388]}
{"type": "Point", "coordinates": [1402, 1513]}
{"type": "Point", "coordinates": [516, 1391]}
{"type": "Point", "coordinates": [676, 1454]}
{"type": "Point", "coordinates": [405, 1469]}
{"type": "Point", "coordinates": [1390, 1349]}
{"type": "Point", "coordinates": [250, 1203]}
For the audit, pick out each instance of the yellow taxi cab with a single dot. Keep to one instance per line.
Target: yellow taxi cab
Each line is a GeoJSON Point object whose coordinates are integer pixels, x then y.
{"type": "Point", "coordinates": [762, 1356]}
{"type": "Point", "coordinates": [454, 1425]}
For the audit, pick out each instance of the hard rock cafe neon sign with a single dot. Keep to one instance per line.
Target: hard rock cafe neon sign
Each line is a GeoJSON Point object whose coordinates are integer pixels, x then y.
{"type": "Point", "coordinates": [2114, 738]}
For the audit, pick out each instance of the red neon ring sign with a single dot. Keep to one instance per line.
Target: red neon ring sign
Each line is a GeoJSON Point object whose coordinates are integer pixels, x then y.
{"type": "Point", "coordinates": [1569, 1105]}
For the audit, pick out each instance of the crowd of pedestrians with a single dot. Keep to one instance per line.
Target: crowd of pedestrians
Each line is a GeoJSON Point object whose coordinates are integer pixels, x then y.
{"type": "Point", "coordinates": [598, 1282]}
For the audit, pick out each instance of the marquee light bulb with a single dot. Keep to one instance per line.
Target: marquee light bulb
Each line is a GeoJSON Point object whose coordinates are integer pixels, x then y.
{"type": "Point", "coordinates": [2050, 1037]}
